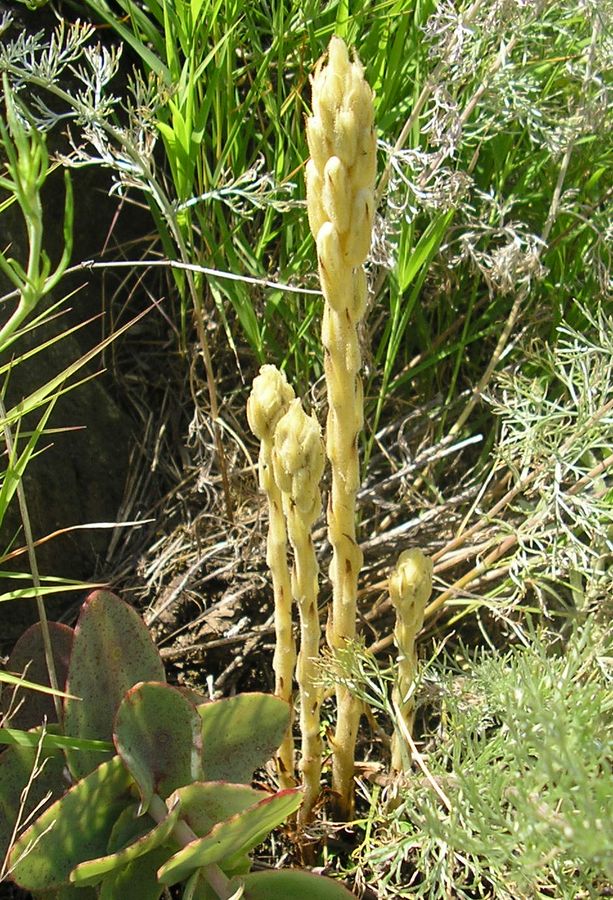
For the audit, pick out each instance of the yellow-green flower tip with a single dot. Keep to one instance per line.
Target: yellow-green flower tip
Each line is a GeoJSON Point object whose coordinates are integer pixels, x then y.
{"type": "Point", "coordinates": [343, 147]}
{"type": "Point", "coordinates": [299, 456]}
{"type": "Point", "coordinates": [269, 400]}
{"type": "Point", "coordinates": [410, 584]}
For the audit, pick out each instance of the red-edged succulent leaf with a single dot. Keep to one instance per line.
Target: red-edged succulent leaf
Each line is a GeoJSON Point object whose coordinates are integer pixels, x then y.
{"type": "Point", "coordinates": [73, 829]}
{"type": "Point", "coordinates": [241, 733]}
{"type": "Point", "coordinates": [158, 736]}
{"type": "Point", "coordinates": [281, 884]}
{"type": "Point", "coordinates": [28, 657]}
{"type": "Point", "coordinates": [112, 652]}
{"type": "Point", "coordinates": [205, 803]}
{"type": "Point", "coordinates": [228, 841]}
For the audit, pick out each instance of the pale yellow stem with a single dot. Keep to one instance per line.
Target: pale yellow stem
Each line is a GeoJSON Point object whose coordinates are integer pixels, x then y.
{"type": "Point", "coordinates": [269, 401]}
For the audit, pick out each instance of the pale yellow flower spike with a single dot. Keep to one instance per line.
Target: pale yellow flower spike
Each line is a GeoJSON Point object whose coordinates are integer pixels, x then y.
{"type": "Point", "coordinates": [270, 398]}
{"type": "Point", "coordinates": [340, 180]}
{"type": "Point", "coordinates": [298, 459]}
{"type": "Point", "coordinates": [410, 586]}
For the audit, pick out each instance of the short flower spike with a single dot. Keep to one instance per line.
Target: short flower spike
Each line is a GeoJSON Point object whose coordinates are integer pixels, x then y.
{"type": "Point", "coordinates": [410, 586]}
{"type": "Point", "coordinates": [269, 400]}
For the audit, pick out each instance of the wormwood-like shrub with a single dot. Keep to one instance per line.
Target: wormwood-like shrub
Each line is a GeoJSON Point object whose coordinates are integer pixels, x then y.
{"type": "Point", "coordinates": [515, 797]}
{"type": "Point", "coordinates": [142, 785]}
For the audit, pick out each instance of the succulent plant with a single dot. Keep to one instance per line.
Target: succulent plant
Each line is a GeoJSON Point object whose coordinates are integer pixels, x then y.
{"type": "Point", "coordinates": [143, 785]}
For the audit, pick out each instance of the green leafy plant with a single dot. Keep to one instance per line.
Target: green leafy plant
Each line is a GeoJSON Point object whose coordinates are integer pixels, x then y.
{"type": "Point", "coordinates": [27, 168]}
{"type": "Point", "coordinates": [159, 788]}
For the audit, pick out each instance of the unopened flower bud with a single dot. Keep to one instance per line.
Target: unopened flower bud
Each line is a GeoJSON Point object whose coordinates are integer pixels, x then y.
{"type": "Point", "coordinates": [269, 400]}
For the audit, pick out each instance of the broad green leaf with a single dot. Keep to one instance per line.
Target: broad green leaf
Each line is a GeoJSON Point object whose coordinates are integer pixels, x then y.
{"type": "Point", "coordinates": [75, 828]}
{"type": "Point", "coordinates": [112, 652]}
{"type": "Point", "coordinates": [421, 255]}
{"type": "Point", "coordinates": [241, 733]}
{"type": "Point", "coordinates": [93, 871]}
{"type": "Point", "coordinates": [128, 827]}
{"type": "Point", "coordinates": [232, 838]}
{"type": "Point", "coordinates": [29, 656]}
{"type": "Point", "coordinates": [282, 884]}
{"type": "Point", "coordinates": [168, 134]}
{"type": "Point", "coordinates": [157, 733]}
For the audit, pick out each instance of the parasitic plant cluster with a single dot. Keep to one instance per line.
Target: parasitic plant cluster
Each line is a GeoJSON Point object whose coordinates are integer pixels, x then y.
{"type": "Point", "coordinates": [340, 183]}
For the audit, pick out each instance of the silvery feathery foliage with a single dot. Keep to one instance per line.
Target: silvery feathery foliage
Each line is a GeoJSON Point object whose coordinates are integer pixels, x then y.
{"type": "Point", "coordinates": [487, 80]}
{"type": "Point", "coordinates": [557, 428]}
{"type": "Point", "coordinates": [104, 129]}
{"type": "Point", "coordinates": [41, 56]}
{"type": "Point", "coordinates": [87, 106]}
{"type": "Point", "coordinates": [254, 189]}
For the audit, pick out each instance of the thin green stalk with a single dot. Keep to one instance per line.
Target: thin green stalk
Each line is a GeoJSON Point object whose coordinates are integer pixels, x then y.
{"type": "Point", "coordinates": [40, 604]}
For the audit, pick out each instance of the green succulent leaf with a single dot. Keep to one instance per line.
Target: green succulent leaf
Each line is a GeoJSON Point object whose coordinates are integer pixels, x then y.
{"type": "Point", "coordinates": [229, 840]}
{"type": "Point", "coordinates": [295, 883]}
{"type": "Point", "coordinates": [158, 736]}
{"type": "Point", "coordinates": [204, 804]}
{"type": "Point", "coordinates": [128, 827]}
{"type": "Point", "coordinates": [17, 765]}
{"type": "Point", "coordinates": [138, 880]}
{"type": "Point", "coordinates": [73, 829]}
{"type": "Point", "coordinates": [94, 870]}
{"type": "Point", "coordinates": [29, 656]}
{"type": "Point", "coordinates": [241, 733]}
{"type": "Point", "coordinates": [67, 892]}
{"type": "Point", "coordinates": [112, 652]}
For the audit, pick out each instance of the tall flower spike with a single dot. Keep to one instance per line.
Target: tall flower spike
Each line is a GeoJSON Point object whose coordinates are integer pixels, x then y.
{"type": "Point", "coordinates": [410, 586]}
{"type": "Point", "coordinates": [340, 180]}
{"type": "Point", "coordinates": [269, 400]}
{"type": "Point", "coordinates": [298, 460]}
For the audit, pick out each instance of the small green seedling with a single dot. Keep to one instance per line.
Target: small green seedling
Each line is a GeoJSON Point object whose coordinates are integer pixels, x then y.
{"type": "Point", "coordinates": [143, 785]}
